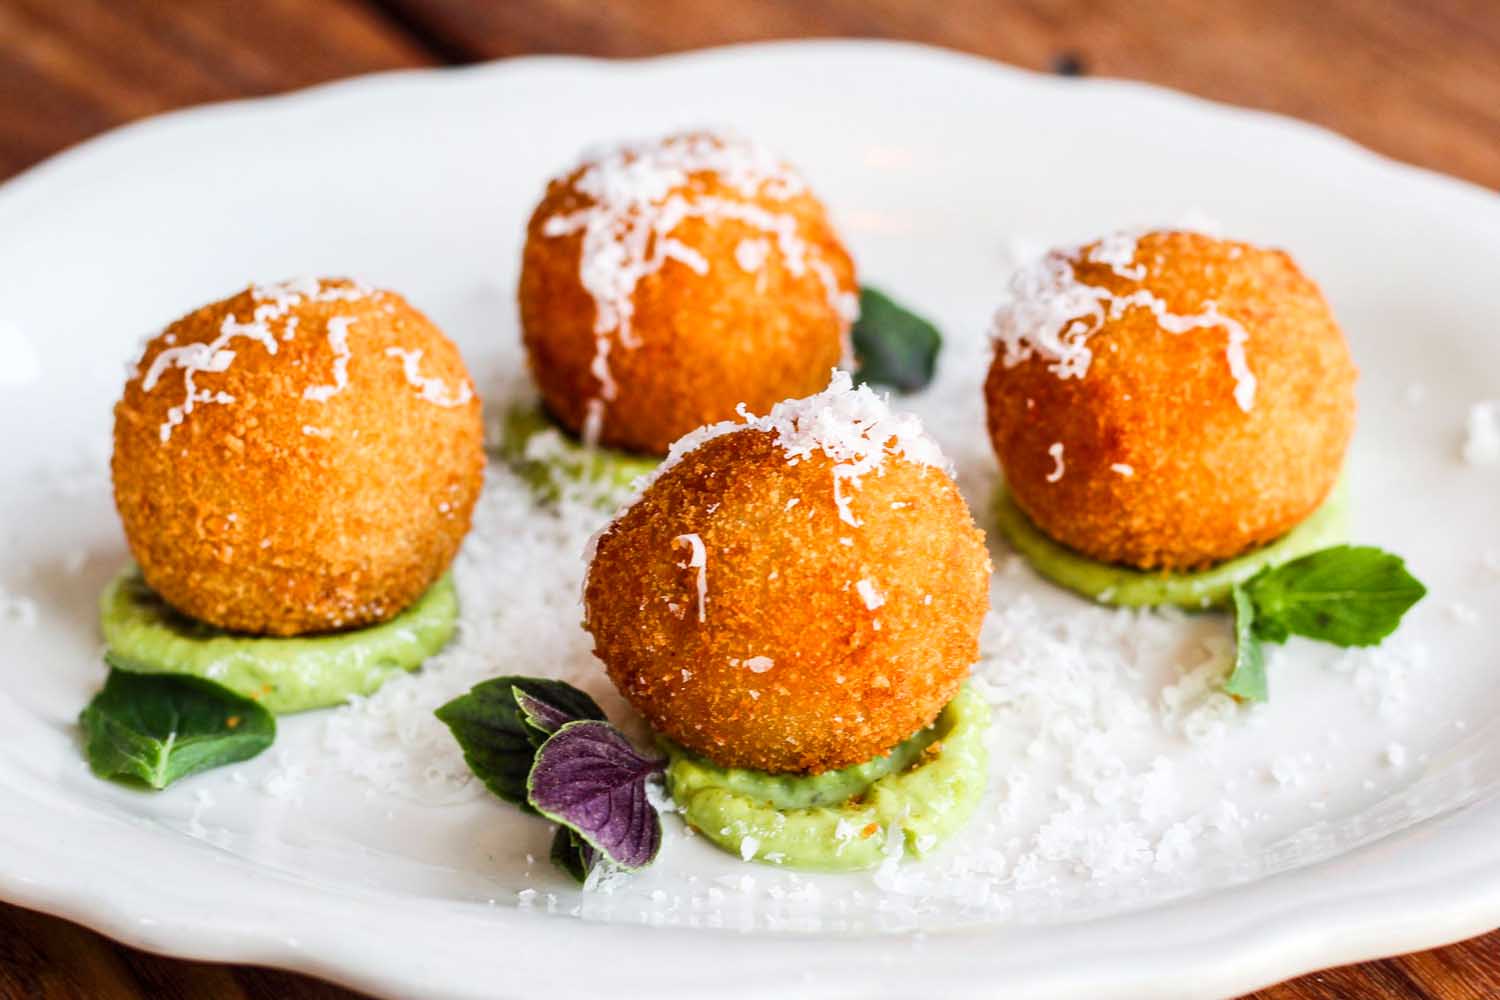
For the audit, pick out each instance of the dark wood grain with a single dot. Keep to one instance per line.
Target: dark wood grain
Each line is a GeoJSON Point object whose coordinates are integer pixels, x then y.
{"type": "Point", "coordinates": [72, 68]}
{"type": "Point", "coordinates": [1418, 81]}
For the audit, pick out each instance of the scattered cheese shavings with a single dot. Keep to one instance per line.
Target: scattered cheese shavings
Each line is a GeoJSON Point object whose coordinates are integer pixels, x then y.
{"type": "Point", "coordinates": [1482, 434]}
{"type": "Point", "coordinates": [23, 365]}
{"type": "Point", "coordinates": [1463, 614]}
{"type": "Point", "coordinates": [759, 664]}
{"type": "Point", "coordinates": [274, 304]}
{"type": "Point", "coordinates": [1056, 451]}
{"type": "Point", "coordinates": [287, 780]}
{"type": "Point", "coordinates": [338, 339]}
{"type": "Point", "coordinates": [1052, 314]}
{"type": "Point", "coordinates": [430, 388]}
{"type": "Point", "coordinates": [19, 609]}
{"type": "Point", "coordinates": [867, 593]}
{"type": "Point", "coordinates": [851, 425]}
{"type": "Point", "coordinates": [751, 255]}
{"type": "Point", "coordinates": [698, 560]}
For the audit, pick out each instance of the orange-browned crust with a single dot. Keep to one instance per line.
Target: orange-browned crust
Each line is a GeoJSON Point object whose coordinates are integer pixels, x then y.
{"type": "Point", "coordinates": [847, 681]}
{"type": "Point", "coordinates": [707, 342]}
{"type": "Point", "coordinates": [278, 514]}
{"type": "Point", "coordinates": [1208, 480]}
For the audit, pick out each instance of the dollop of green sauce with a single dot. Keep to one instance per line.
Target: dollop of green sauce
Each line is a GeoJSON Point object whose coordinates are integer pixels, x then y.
{"type": "Point", "coordinates": [553, 463]}
{"type": "Point", "coordinates": [924, 791]}
{"type": "Point", "coordinates": [146, 635]}
{"type": "Point", "coordinates": [1126, 587]}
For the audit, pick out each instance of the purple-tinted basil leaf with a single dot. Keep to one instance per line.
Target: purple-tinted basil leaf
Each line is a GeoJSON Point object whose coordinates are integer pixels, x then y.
{"type": "Point", "coordinates": [588, 777]}
{"type": "Point", "coordinates": [548, 705]}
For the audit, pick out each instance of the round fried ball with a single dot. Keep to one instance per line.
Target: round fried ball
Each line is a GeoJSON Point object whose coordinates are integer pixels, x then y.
{"type": "Point", "coordinates": [298, 458]}
{"type": "Point", "coordinates": [660, 289]}
{"type": "Point", "coordinates": [1151, 459]}
{"type": "Point", "coordinates": [815, 644]}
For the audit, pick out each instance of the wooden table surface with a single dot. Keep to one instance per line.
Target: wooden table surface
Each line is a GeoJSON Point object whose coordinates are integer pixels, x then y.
{"type": "Point", "coordinates": [1418, 81]}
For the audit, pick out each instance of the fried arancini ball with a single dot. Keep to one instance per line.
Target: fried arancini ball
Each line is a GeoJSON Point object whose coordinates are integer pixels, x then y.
{"type": "Point", "coordinates": [1170, 400]}
{"type": "Point", "coordinates": [298, 458]}
{"type": "Point", "coordinates": [665, 283]}
{"type": "Point", "coordinates": [740, 610]}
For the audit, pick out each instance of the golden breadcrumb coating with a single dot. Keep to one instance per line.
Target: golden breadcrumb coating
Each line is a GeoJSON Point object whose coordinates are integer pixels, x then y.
{"type": "Point", "coordinates": [821, 644]}
{"type": "Point", "coordinates": [1149, 460]}
{"type": "Point", "coordinates": [706, 342]}
{"type": "Point", "coordinates": [325, 486]}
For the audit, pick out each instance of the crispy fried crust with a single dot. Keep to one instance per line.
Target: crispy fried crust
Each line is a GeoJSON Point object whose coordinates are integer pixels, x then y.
{"type": "Point", "coordinates": [1210, 480]}
{"type": "Point", "coordinates": [707, 342]}
{"type": "Point", "coordinates": [280, 515]}
{"type": "Point", "coordinates": [847, 682]}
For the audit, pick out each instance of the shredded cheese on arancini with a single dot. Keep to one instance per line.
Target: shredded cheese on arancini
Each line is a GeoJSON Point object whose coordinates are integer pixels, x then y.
{"type": "Point", "coordinates": [1052, 314]}
{"type": "Point", "coordinates": [274, 304]}
{"type": "Point", "coordinates": [698, 560]}
{"type": "Point", "coordinates": [430, 388]}
{"type": "Point", "coordinates": [851, 425]}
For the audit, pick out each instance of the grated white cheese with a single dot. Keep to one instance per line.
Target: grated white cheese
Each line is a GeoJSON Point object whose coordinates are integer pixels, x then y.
{"type": "Point", "coordinates": [759, 664]}
{"type": "Point", "coordinates": [1120, 468]}
{"type": "Point", "coordinates": [287, 780]}
{"type": "Point", "coordinates": [1482, 434]}
{"type": "Point", "coordinates": [18, 609]}
{"type": "Point", "coordinates": [751, 255]}
{"type": "Point", "coordinates": [697, 560]}
{"type": "Point", "coordinates": [1056, 451]}
{"type": "Point", "coordinates": [274, 304]}
{"type": "Point", "coordinates": [1052, 314]}
{"type": "Point", "coordinates": [1463, 614]}
{"type": "Point", "coordinates": [434, 390]}
{"type": "Point", "coordinates": [338, 339]}
{"type": "Point", "coordinates": [23, 365]}
{"type": "Point", "coordinates": [854, 427]}
{"type": "Point", "coordinates": [867, 593]}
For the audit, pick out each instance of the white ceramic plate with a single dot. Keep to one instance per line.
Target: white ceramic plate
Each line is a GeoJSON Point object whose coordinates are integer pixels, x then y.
{"type": "Point", "coordinates": [1365, 821]}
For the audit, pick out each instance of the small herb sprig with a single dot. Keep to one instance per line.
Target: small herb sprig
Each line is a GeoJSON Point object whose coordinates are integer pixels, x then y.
{"type": "Point", "coordinates": [547, 747]}
{"type": "Point", "coordinates": [894, 346]}
{"type": "Point", "coordinates": [1348, 595]}
{"type": "Point", "coordinates": [156, 728]}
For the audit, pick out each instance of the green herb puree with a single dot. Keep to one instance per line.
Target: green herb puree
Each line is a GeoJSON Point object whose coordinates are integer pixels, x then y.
{"type": "Point", "coordinates": [924, 790]}
{"type": "Point", "coordinates": [1209, 588]}
{"type": "Point", "coordinates": [551, 461]}
{"type": "Point", "coordinates": [146, 636]}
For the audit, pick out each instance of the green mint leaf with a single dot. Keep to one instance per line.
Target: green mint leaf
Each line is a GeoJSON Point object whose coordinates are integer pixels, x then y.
{"type": "Point", "coordinates": [492, 732]}
{"type": "Point", "coordinates": [157, 728]}
{"type": "Point", "coordinates": [573, 854]}
{"type": "Point", "coordinates": [1349, 595]}
{"type": "Point", "coordinates": [501, 723]}
{"type": "Point", "coordinates": [1247, 681]}
{"type": "Point", "coordinates": [894, 346]}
